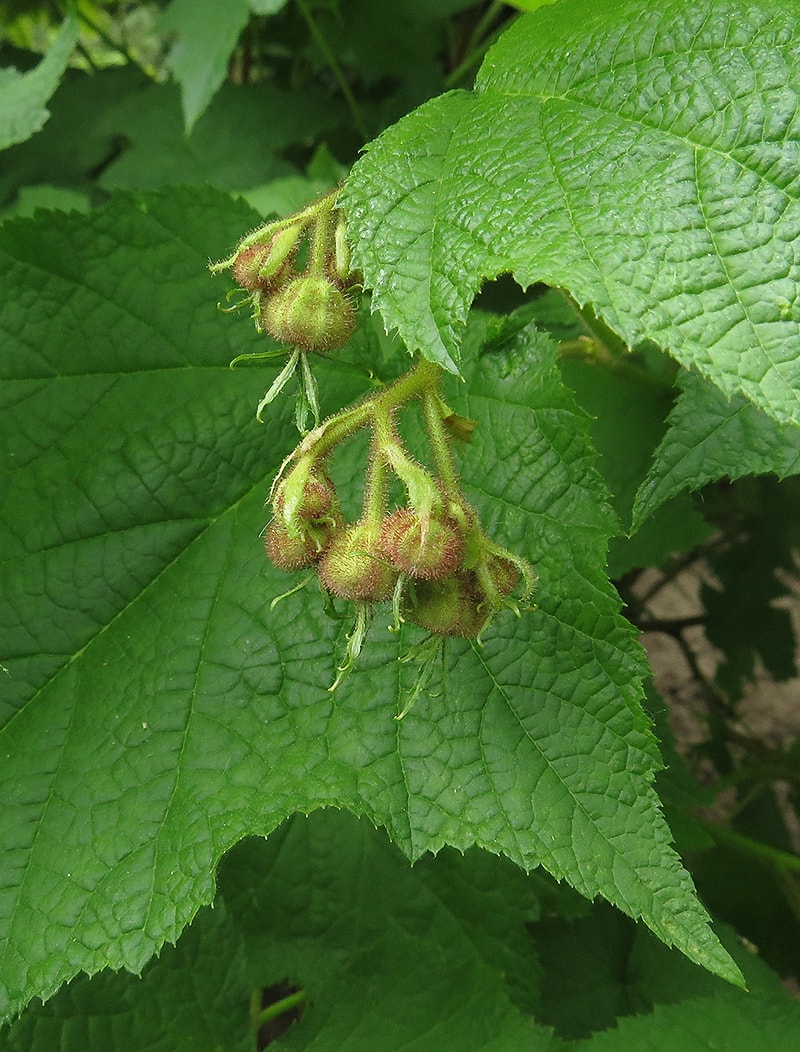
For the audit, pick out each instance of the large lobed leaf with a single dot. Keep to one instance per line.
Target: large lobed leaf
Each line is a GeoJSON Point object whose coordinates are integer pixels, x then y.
{"type": "Point", "coordinates": [155, 711]}
{"type": "Point", "coordinates": [695, 1026]}
{"type": "Point", "coordinates": [643, 158]}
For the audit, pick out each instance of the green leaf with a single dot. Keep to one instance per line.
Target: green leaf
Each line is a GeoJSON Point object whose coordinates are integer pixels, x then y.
{"type": "Point", "coordinates": [208, 31]}
{"type": "Point", "coordinates": [711, 437]}
{"type": "Point", "coordinates": [529, 5]}
{"type": "Point", "coordinates": [628, 397]}
{"type": "Point", "coordinates": [238, 143]}
{"type": "Point", "coordinates": [601, 967]}
{"type": "Point", "coordinates": [156, 711]}
{"type": "Point", "coordinates": [23, 97]}
{"type": "Point", "coordinates": [436, 946]}
{"type": "Point", "coordinates": [74, 145]}
{"type": "Point", "coordinates": [735, 1024]}
{"type": "Point", "coordinates": [129, 129]}
{"type": "Point", "coordinates": [642, 159]}
{"type": "Point", "coordinates": [31, 198]}
{"type": "Point", "coordinates": [194, 998]}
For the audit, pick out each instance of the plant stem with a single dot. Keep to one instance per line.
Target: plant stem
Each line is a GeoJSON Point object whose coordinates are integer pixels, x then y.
{"type": "Point", "coordinates": [286, 1004]}
{"type": "Point", "coordinates": [376, 491]}
{"type": "Point", "coordinates": [336, 70]}
{"type": "Point", "coordinates": [331, 432]}
{"type": "Point", "coordinates": [780, 861]}
{"type": "Point", "coordinates": [439, 441]}
{"type": "Point", "coordinates": [320, 248]}
{"type": "Point", "coordinates": [479, 50]}
{"type": "Point", "coordinates": [423, 495]}
{"type": "Point", "coordinates": [262, 233]}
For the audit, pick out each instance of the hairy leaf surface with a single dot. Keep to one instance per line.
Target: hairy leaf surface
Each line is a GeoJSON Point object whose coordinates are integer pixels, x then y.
{"type": "Point", "coordinates": [645, 160]}
{"type": "Point", "coordinates": [155, 710]}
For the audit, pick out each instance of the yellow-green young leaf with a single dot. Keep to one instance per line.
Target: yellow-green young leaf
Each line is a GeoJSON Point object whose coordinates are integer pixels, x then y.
{"type": "Point", "coordinates": [642, 156]}
{"type": "Point", "coordinates": [23, 97]}
{"type": "Point", "coordinates": [155, 710]}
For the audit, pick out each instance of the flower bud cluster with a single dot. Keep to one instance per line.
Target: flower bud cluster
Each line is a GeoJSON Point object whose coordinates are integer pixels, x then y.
{"type": "Point", "coordinates": [309, 308]}
{"type": "Point", "coordinates": [431, 556]}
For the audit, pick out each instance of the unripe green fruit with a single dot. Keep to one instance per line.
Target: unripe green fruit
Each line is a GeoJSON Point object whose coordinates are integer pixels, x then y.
{"type": "Point", "coordinates": [449, 607]}
{"type": "Point", "coordinates": [352, 566]}
{"type": "Point", "coordinates": [290, 552]}
{"type": "Point", "coordinates": [427, 549]}
{"type": "Point", "coordinates": [309, 312]}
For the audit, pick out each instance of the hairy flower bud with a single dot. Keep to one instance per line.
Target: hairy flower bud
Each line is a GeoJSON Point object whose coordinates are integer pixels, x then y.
{"type": "Point", "coordinates": [263, 265]}
{"type": "Point", "coordinates": [450, 607]}
{"type": "Point", "coordinates": [310, 312]}
{"type": "Point", "coordinates": [247, 267]}
{"type": "Point", "coordinates": [429, 548]}
{"type": "Point", "coordinates": [353, 567]}
{"type": "Point", "coordinates": [315, 500]}
{"type": "Point", "coordinates": [290, 551]}
{"type": "Point", "coordinates": [504, 574]}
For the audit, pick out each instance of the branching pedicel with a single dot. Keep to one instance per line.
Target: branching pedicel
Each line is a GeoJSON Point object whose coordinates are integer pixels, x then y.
{"type": "Point", "coordinates": [431, 558]}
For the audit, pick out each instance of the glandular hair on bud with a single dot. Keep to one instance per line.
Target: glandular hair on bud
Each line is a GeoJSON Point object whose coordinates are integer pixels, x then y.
{"type": "Point", "coordinates": [504, 573]}
{"type": "Point", "coordinates": [247, 267]}
{"type": "Point", "coordinates": [316, 500]}
{"type": "Point", "coordinates": [309, 312]}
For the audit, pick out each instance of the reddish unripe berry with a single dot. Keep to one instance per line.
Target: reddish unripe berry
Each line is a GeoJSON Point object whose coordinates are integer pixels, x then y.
{"type": "Point", "coordinates": [310, 312]}
{"type": "Point", "coordinates": [353, 567]}
{"type": "Point", "coordinates": [425, 548]}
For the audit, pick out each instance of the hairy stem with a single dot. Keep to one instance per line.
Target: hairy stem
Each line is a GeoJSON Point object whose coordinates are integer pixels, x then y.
{"type": "Point", "coordinates": [440, 445]}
